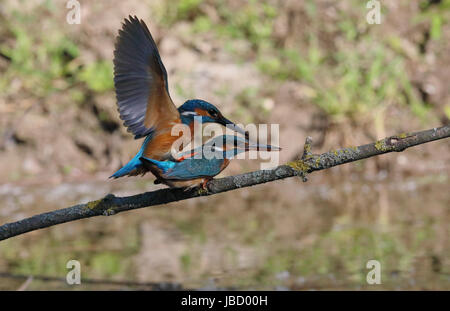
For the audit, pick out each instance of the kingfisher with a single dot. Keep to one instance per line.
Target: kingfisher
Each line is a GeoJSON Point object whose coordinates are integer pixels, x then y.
{"type": "Point", "coordinates": [198, 166]}
{"type": "Point", "coordinates": [144, 102]}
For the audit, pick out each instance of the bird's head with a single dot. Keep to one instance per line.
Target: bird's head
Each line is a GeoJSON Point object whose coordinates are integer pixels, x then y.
{"type": "Point", "coordinates": [208, 114]}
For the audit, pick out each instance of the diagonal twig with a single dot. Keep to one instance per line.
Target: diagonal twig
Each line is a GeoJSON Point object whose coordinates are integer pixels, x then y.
{"type": "Point", "coordinates": [111, 205]}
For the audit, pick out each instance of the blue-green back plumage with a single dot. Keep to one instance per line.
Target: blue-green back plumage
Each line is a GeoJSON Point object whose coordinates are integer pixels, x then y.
{"type": "Point", "coordinates": [188, 168]}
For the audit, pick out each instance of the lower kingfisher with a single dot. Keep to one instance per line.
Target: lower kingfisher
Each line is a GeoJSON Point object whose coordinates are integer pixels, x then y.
{"type": "Point", "coordinates": [200, 165]}
{"type": "Point", "coordinates": [143, 98]}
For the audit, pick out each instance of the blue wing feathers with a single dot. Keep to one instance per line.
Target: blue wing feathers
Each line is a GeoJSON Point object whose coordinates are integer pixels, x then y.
{"type": "Point", "coordinates": [135, 54]}
{"type": "Point", "coordinates": [195, 168]}
{"type": "Point", "coordinates": [187, 169]}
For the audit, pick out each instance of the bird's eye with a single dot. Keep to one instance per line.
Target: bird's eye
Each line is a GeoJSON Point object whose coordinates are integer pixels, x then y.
{"type": "Point", "coordinates": [213, 113]}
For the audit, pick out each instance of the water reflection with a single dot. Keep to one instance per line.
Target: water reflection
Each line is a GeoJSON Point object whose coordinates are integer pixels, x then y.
{"type": "Point", "coordinates": [312, 236]}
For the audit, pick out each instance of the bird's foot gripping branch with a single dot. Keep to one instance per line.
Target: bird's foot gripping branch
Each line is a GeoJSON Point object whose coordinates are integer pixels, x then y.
{"type": "Point", "coordinates": [308, 163]}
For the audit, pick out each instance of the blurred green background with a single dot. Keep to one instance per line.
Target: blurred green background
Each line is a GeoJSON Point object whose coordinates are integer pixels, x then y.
{"type": "Point", "coordinates": [316, 68]}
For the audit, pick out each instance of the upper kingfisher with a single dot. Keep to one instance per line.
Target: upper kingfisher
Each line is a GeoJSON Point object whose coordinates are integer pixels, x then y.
{"type": "Point", "coordinates": [143, 98]}
{"type": "Point", "coordinates": [213, 157]}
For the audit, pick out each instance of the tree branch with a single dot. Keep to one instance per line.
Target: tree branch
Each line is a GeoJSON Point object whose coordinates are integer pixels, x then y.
{"type": "Point", "coordinates": [111, 205]}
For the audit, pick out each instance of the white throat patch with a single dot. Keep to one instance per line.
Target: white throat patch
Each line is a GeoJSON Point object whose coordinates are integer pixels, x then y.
{"type": "Point", "coordinates": [189, 113]}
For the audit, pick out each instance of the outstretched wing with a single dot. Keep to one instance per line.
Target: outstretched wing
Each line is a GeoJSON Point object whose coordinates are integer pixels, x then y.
{"type": "Point", "coordinates": [140, 81]}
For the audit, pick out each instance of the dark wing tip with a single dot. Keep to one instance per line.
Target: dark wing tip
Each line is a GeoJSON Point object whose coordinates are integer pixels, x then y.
{"type": "Point", "coordinates": [132, 57]}
{"type": "Point", "coordinates": [138, 71]}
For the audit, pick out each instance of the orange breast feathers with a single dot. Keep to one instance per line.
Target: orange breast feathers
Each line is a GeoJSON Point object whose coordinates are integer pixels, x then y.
{"type": "Point", "coordinates": [224, 164]}
{"type": "Point", "coordinates": [185, 183]}
{"type": "Point", "coordinates": [159, 147]}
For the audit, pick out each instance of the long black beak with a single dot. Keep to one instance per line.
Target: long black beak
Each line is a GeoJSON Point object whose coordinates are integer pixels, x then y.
{"type": "Point", "coordinates": [227, 123]}
{"type": "Point", "coordinates": [260, 147]}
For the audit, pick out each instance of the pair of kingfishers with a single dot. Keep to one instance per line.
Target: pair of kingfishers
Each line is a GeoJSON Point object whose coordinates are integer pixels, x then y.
{"type": "Point", "coordinates": [145, 106]}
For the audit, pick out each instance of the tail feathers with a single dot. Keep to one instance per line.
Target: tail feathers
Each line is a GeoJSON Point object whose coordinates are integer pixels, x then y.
{"type": "Point", "coordinates": [163, 165]}
{"type": "Point", "coordinates": [134, 167]}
